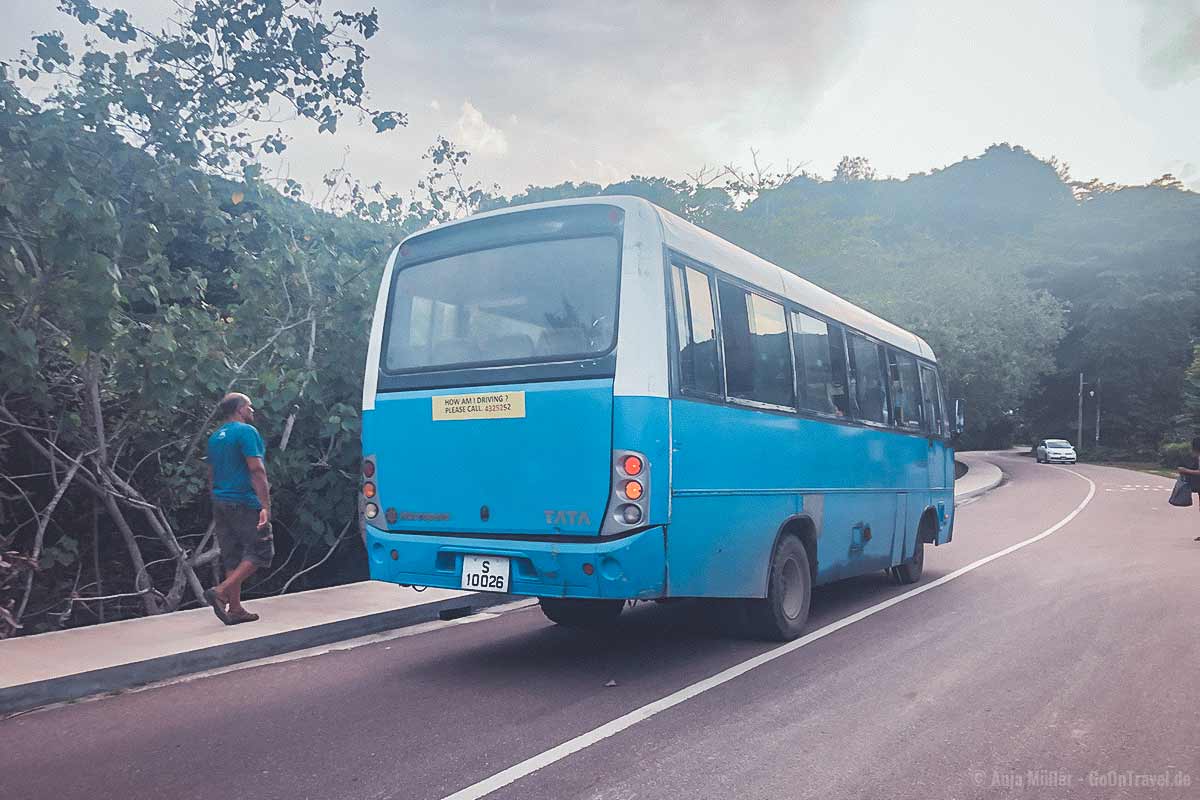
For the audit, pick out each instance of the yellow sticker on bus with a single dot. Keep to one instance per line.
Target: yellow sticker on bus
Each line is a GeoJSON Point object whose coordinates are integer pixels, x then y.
{"type": "Point", "coordinates": [496, 405]}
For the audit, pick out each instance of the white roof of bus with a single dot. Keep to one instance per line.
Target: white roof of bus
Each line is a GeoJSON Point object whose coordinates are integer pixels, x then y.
{"type": "Point", "coordinates": [708, 248]}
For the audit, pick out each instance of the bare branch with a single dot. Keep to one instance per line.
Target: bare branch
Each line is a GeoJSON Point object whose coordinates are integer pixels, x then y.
{"type": "Point", "coordinates": [41, 531]}
{"type": "Point", "coordinates": [159, 524]}
{"type": "Point", "coordinates": [21, 493]}
{"type": "Point", "coordinates": [237, 372]}
{"type": "Point", "coordinates": [149, 601]}
{"type": "Point", "coordinates": [312, 344]}
{"type": "Point", "coordinates": [92, 370]}
{"type": "Point", "coordinates": [341, 536]}
{"type": "Point", "coordinates": [153, 452]}
{"type": "Point", "coordinates": [139, 593]}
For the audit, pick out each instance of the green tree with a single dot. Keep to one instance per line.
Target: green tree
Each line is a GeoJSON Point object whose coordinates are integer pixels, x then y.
{"type": "Point", "coordinates": [1189, 421]}
{"type": "Point", "coordinates": [139, 283]}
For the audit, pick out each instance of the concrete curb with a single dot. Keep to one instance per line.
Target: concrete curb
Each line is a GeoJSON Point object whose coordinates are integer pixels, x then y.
{"type": "Point", "coordinates": [27, 696]}
{"type": "Point", "coordinates": [989, 473]}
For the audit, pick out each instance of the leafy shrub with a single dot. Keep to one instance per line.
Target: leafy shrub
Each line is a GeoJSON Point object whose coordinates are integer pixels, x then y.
{"type": "Point", "coordinates": [1173, 454]}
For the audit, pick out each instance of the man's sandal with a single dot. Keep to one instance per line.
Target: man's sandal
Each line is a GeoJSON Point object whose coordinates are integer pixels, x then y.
{"type": "Point", "coordinates": [211, 597]}
{"type": "Point", "coordinates": [240, 618]}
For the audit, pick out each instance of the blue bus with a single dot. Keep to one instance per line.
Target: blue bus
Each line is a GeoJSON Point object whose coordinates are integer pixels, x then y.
{"type": "Point", "coordinates": [593, 401]}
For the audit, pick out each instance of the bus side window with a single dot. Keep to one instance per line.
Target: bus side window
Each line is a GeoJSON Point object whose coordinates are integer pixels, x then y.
{"type": "Point", "coordinates": [943, 420]}
{"type": "Point", "coordinates": [906, 390]}
{"type": "Point", "coordinates": [931, 398]}
{"type": "Point", "coordinates": [758, 361]}
{"type": "Point", "coordinates": [839, 386]}
{"type": "Point", "coordinates": [810, 341]}
{"type": "Point", "coordinates": [867, 379]}
{"type": "Point", "coordinates": [695, 325]}
{"type": "Point", "coordinates": [683, 330]}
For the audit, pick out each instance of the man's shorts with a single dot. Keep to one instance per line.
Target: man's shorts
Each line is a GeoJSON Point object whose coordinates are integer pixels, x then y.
{"type": "Point", "coordinates": [239, 537]}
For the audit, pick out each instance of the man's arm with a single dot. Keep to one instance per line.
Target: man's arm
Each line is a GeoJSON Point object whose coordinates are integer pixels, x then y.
{"type": "Point", "coordinates": [1186, 471]}
{"type": "Point", "coordinates": [258, 479]}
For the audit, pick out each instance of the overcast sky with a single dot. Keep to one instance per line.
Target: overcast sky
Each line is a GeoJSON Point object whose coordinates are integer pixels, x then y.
{"type": "Point", "coordinates": [543, 92]}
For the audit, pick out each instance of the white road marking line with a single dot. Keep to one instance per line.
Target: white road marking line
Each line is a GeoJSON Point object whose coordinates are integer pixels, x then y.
{"type": "Point", "coordinates": [584, 740]}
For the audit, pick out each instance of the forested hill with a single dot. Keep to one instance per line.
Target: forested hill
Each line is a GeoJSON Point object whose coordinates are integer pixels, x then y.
{"type": "Point", "coordinates": [1018, 276]}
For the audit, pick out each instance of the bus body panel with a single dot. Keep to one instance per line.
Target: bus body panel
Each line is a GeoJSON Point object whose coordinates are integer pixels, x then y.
{"type": "Point", "coordinates": [642, 424]}
{"type": "Point", "coordinates": [546, 473]}
{"type": "Point", "coordinates": [941, 475]}
{"type": "Point", "coordinates": [740, 474]}
{"type": "Point", "coordinates": [642, 367]}
{"type": "Point", "coordinates": [630, 567]}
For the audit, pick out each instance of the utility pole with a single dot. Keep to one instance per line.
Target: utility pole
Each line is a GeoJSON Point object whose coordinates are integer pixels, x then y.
{"type": "Point", "coordinates": [1079, 422]}
{"type": "Point", "coordinates": [1097, 411]}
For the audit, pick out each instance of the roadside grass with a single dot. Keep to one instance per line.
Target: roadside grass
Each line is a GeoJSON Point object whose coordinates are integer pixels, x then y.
{"type": "Point", "coordinates": [1138, 466]}
{"type": "Point", "coordinates": [1150, 467]}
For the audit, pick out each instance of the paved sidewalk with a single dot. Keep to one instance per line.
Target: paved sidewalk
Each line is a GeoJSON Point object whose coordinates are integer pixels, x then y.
{"type": "Point", "coordinates": [982, 475]}
{"type": "Point", "coordinates": [67, 665]}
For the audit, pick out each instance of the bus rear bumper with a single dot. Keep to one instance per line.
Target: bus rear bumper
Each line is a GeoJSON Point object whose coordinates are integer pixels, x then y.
{"type": "Point", "coordinates": [632, 567]}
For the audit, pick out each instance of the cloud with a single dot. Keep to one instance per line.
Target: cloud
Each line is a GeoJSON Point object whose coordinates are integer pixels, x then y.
{"type": "Point", "coordinates": [596, 171]}
{"type": "Point", "coordinates": [1186, 171]}
{"type": "Point", "coordinates": [477, 135]}
{"type": "Point", "coordinates": [639, 87]}
{"type": "Point", "coordinates": [1170, 42]}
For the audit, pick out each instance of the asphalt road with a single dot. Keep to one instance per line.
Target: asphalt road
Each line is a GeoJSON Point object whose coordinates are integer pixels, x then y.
{"type": "Point", "coordinates": [1065, 668]}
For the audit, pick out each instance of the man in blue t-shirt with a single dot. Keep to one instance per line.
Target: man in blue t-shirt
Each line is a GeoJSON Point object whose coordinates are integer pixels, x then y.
{"type": "Point", "coordinates": [241, 499]}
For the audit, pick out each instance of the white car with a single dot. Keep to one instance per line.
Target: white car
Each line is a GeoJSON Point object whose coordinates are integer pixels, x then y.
{"type": "Point", "coordinates": [1055, 451]}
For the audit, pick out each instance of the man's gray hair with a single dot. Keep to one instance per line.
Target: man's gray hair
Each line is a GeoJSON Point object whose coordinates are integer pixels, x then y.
{"type": "Point", "coordinates": [230, 404]}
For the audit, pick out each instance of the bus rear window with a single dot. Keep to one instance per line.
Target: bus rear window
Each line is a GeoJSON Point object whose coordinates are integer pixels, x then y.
{"type": "Point", "coordinates": [540, 301]}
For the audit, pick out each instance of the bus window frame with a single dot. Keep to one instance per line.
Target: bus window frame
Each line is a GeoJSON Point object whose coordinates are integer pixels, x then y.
{"type": "Point", "coordinates": [565, 358]}
{"type": "Point", "coordinates": [743, 401]}
{"type": "Point", "coordinates": [676, 346]}
{"type": "Point", "coordinates": [672, 257]}
{"type": "Point", "coordinates": [943, 425]}
{"type": "Point", "coordinates": [921, 424]}
{"type": "Point", "coordinates": [830, 326]}
{"type": "Point", "coordinates": [852, 379]}
{"type": "Point", "coordinates": [944, 433]}
{"type": "Point", "coordinates": [518, 370]}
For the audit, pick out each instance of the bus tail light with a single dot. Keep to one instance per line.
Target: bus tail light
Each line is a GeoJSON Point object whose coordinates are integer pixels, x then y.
{"type": "Point", "coordinates": [629, 504]}
{"type": "Point", "coordinates": [368, 503]}
{"type": "Point", "coordinates": [368, 470]}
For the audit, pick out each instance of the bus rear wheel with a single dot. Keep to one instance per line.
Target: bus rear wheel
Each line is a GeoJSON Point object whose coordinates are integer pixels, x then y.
{"type": "Point", "coordinates": [581, 613]}
{"type": "Point", "coordinates": [781, 615]}
{"type": "Point", "coordinates": [910, 571]}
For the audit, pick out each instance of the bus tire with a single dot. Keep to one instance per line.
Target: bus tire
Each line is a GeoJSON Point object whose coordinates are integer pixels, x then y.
{"type": "Point", "coordinates": [581, 613]}
{"type": "Point", "coordinates": [910, 571]}
{"type": "Point", "coordinates": [781, 615]}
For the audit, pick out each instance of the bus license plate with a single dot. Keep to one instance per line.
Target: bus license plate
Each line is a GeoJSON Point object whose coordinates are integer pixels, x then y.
{"type": "Point", "coordinates": [485, 573]}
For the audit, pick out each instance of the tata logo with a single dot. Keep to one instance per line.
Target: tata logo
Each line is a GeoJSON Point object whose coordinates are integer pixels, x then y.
{"type": "Point", "coordinates": [568, 518]}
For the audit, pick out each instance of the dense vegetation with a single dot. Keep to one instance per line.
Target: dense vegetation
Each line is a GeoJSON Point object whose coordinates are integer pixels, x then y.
{"type": "Point", "coordinates": [146, 267]}
{"type": "Point", "coordinates": [1019, 277]}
